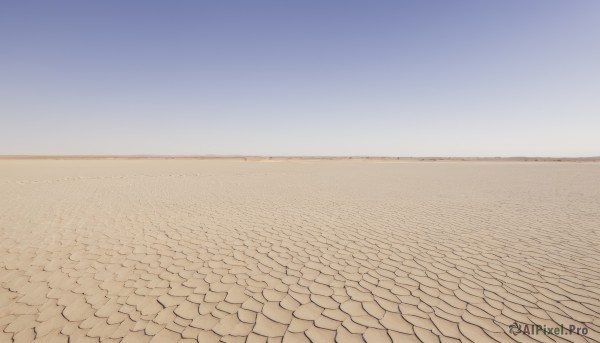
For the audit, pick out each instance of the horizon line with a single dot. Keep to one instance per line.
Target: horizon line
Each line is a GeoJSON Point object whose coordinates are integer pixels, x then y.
{"type": "Point", "coordinates": [321, 157]}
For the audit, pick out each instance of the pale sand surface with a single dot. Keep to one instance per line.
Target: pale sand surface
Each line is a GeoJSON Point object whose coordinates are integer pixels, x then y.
{"type": "Point", "coordinates": [321, 251]}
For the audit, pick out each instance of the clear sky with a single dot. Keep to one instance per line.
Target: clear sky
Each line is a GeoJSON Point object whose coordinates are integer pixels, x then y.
{"type": "Point", "coordinates": [394, 78]}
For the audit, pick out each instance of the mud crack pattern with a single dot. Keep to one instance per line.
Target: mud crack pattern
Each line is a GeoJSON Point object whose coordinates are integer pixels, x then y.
{"type": "Point", "coordinates": [297, 251]}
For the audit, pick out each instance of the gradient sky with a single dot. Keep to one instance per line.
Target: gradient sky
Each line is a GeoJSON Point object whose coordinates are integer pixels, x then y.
{"type": "Point", "coordinates": [393, 78]}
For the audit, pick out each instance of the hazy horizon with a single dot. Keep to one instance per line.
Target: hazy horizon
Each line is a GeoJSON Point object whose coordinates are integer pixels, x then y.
{"type": "Point", "coordinates": [267, 78]}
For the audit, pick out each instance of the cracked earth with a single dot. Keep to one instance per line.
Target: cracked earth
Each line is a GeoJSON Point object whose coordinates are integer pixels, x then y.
{"type": "Point", "coordinates": [297, 251]}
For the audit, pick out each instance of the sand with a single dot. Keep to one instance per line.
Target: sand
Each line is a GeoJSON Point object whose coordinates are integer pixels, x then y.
{"type": "Point", "coordinates": [297, 251]}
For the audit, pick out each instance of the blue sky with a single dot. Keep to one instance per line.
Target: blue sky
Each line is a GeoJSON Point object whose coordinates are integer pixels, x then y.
{"type": "Point", "coordinates": [393, 78]}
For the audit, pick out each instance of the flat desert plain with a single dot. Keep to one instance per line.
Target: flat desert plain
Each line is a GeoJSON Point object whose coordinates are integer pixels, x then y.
{"type": "Point", "coordinates": [298, 250]}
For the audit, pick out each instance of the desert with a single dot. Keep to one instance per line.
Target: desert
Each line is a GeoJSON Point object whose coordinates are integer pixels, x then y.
{"type": "Point", "coordinates": [312, 250]}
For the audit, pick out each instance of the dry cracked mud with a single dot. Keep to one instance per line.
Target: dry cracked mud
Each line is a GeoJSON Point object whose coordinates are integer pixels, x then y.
{"type": "Point", "coordinates": [297, 251]}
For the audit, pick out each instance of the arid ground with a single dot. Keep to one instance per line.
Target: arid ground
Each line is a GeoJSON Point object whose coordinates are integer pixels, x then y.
{"type": "Point", "coordinates": [298, 251]}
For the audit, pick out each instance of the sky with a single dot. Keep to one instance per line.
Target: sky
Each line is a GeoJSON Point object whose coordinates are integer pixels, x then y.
{"type": "Point", "coordinates": [379, 78]}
